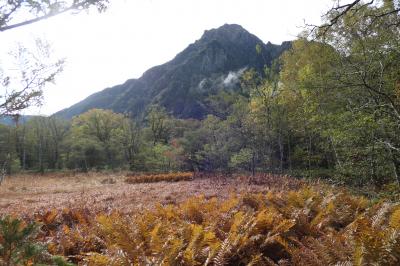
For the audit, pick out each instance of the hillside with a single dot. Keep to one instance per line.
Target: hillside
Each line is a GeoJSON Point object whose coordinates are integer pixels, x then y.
{"type": "Point", "coordinates": [181, 85]}
{"type": "Point", "coordinates": [9, 120]}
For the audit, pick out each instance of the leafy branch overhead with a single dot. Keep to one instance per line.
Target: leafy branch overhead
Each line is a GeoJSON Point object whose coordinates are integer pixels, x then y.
{"type": "Point", "coordinates": [379, 9]}
{"type": "Point", "coordinates": [39, 10]}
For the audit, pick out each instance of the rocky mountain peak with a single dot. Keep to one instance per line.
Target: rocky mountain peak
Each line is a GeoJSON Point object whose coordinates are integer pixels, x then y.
{"type": "Point", "coordinates": [183, 84]}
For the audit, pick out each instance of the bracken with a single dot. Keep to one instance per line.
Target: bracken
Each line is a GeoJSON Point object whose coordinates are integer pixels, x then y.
{"type": "Point", "coordinates": [304, 227]}
{"type": "Point", "coordinates": [151, 178]}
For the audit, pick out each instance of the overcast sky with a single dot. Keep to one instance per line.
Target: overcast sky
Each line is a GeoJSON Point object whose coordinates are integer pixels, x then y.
{"type": "Point", "coordinates": [106, 49]}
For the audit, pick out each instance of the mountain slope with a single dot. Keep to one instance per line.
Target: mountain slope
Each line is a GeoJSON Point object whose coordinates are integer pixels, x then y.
{"type": "Point", "coordinates": [181, 85]}
{"type": "Point", "coordinates": [9, 120]}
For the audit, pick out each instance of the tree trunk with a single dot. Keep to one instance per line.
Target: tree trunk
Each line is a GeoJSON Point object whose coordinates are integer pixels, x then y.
{"type": "Point", "coordinates": [280, 152]}
{"type": "Point", "coordinates": [23, 151]}
{"type": "Point", "coordinates": [396, 167]}
{"type": "Point", "coordinates": [289, 154]}
{"type": "Point", "coordinates": [338, 162]}
{"type": "Point", "coordinates": [41, 166]}
{"type": "Point", "coordinates": [253, 162]}
{"type": "Point", "coordinates": [309, 153]}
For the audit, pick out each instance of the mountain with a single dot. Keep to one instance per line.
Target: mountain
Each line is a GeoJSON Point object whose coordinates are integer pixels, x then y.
{"type": "Point", "coordinates": [10, 120]}
{"type": "Point", "coordinates": [213, 62]}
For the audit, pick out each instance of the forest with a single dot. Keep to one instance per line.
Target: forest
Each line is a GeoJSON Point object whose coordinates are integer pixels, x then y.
{"type": "Point", "coordinates": [300, 164]}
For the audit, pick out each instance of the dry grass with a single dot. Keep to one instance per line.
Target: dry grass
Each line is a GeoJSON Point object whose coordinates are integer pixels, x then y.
{"type": "Point", "coordinates": [27, 194]}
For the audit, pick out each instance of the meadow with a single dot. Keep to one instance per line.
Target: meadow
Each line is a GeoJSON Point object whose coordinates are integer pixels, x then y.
{"type": "Point", "coordinates": [127, 192]}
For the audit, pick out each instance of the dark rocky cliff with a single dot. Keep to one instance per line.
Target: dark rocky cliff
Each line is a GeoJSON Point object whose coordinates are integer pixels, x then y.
{"type": "Point", "coordinates": [181, 85]}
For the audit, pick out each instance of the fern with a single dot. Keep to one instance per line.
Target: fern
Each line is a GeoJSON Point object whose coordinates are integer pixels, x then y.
{"type": "Point", "coordinates": [309, 226]}
{"type": "Point", "coordinates": [395, 219]}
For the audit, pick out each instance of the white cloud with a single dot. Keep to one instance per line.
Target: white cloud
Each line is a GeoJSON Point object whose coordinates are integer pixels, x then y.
{"type": "Point", "coordinates": [233, 77]}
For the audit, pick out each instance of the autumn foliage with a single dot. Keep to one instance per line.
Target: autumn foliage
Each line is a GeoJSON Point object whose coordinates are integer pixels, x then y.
{"type": "Point", "coordinates": [302, 225]}
{"type": "Point", "coordinates": [151, 178]}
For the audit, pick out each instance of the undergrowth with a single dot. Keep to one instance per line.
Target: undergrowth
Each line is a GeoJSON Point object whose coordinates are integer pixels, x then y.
{"type": "Point", "coordinates": [309, 226]}
{"type": "Point", "coordinates": [19, 244]}
{"type": "Point", "coordinates": [151, 178]}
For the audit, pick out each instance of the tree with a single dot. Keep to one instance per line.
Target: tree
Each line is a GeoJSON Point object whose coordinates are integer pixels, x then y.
{"type": "Point", "coordinates": [340, 10]}
{"type": "Point", "coordinates": [7, 150]}
{"type": "Point", "coordinates": [40, 133]}
{"type": "Point", "coordinates": [132, 140]}
{"type": "Point", "coordinates": [158, 121]}
{"type": "Point", "coordinates": [102, 126]}
{"type": "Point", "coordinates": [21, 90]}
{"type": "Point", "coordinates": [57, 133]}
{"type": "Point", "coordinates": [368, 41]}
{"type": "Point", "coordinates": [342, 87]}
{"type": "Point", "coordinates": [21, 84]}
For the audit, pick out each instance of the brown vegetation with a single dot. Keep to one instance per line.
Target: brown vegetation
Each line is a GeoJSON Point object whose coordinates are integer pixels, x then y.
{"type": "Point", "coordinates": [26, 194]}
{"type": "Point", "coordinates": [152, 178]}
{"type": "Point", "coordinates": [210, 220]}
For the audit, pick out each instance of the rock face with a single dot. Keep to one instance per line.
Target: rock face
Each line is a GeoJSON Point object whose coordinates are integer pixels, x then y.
{"type": "Point", "coordinates": [212, 63]}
